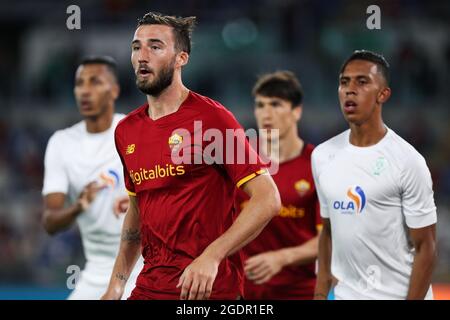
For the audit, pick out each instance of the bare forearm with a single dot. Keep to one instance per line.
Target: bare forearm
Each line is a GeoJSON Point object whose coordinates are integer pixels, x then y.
{"type": "Point", "coordinates": [324, 277]}
{"type": "Point", "coordinates": [55, 220]}
{"type": "Point", "coordinates": [302, 254]}
{"type": "Point", "coordinates": [424, 241]}
{"type": "Point", "coordinates": [123, 267]}
{"type": "Point", "coordinates": [423, 265]}
{"type": "Point", "coordinates": [129, 251]}
{"type": "Point", "coordinates": [250, 222]}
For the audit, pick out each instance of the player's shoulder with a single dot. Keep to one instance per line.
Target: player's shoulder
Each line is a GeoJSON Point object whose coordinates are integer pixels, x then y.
{"type": "Point", "coordinates": [130, 119]}
{"type": "Point", "coordinates": [324, 153]}
{"type": "Point", "coordinates": [331, 145]}
{"type": "Point", "coordinates": [204, 102]}
{"type": "Point", "coordinates": [208, 107]}
{"type": "Point", "coordinates": [401, 150]}
{"type": "Point", "coordinates": [66, 135]}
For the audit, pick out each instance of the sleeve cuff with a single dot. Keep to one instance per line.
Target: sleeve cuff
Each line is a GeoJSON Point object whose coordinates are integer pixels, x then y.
{"type": "Point", "coordinates": [131, 193]}
{"type": "Point", "coordinates": [324, 212]}
{"type": "Point", "coordinates": [250, 177]}
{"type": "Point", "coordinates": [421, 221]}
{"type": "Point", "coordinates": [46, 192]}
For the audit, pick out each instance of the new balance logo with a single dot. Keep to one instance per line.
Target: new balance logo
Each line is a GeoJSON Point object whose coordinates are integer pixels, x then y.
{"type": "Point", "coordinates": [130, 148]}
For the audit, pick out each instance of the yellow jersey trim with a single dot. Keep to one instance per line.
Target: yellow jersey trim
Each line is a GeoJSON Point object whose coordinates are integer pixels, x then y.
{"type": "Point", "coordinates": [250, 177]}
{"type": "Point", "coordinates": [130, 193]}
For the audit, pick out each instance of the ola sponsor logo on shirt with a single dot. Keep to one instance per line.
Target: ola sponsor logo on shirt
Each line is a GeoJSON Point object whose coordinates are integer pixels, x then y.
{"type": "Point", "coordinates": [109, 178]}
{"type": "Point", "coordinates": [169, 170]}
{"type": "Point", "coordinates": [302, 186]}
{"type": "Point", "coordinates": [355, 205]}
{"type": "Point", "coordinates": [130, 148]}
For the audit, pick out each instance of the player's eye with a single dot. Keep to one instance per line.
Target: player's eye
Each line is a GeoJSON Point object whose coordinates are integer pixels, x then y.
{"type": "Point", "coordinates": [155, 48]}
{"type": "Point", "coordinates": [362, 82]}
{"type": "Point", "coordinates": [135, 48]}
{"type": "Point", "coordinates": [275, 104]}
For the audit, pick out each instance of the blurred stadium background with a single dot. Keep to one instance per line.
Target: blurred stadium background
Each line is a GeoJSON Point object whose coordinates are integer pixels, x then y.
{"type": "Point", "coordinates": [234, 41]}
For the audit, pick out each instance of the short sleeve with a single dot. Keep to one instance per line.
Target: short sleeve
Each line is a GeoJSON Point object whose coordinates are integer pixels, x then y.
{"type": "Point", "coordinates": [240, 160]}
{"type": "Point", "coordinates": [417, 194]}
{"type": "Point", "coordinates": [129, 185]}
{"type": "Point", "coordinates": [56, 179]}
{"type": "Point", "coordinates": [323, 208]}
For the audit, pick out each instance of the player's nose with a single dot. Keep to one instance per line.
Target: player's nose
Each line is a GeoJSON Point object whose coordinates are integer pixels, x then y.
{"type": "Point", "coordinates": [350, 93]}
{"type": "Point", "coordinates": [267, 116]}
{"type": "Point", "coordinates": [86, 91]}
{"type": "Point", "coordinates": [143, 55]}
{"type": "Point", "coordinates": [351, 89]}
{"type": "Point", "coordinates": [83, 91]}
{"type": "Point", "coordinates": [267, 112]}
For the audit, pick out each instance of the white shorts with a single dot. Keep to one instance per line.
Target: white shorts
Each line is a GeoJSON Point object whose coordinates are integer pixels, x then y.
{"type": "Point", "coordinates": [94, 281]}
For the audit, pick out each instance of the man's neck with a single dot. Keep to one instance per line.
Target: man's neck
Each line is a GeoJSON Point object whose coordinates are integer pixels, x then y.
{"type": "Point", "coordinates": [367, 134]}
{"type": "Point", "coordinates": [169, 101]}
{"type": "Point", "coordinates": [100, 123]}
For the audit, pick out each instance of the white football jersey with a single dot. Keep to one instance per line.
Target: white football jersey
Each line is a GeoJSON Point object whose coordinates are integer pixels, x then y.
{"type": "Point", "coordinates": [74, 158]}
{"type": "Point", "coordinates": [372, 195]}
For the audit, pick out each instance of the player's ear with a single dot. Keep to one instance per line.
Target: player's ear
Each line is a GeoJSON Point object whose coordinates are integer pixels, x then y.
{"type": "Point", "coordinates": [181, 59]}
{"type": "Point", "coordinates": [115, 91]}
{"type": "Point", "coordinates": [384, 95]}
{"type": "Point", "coordinates": [297, 111]}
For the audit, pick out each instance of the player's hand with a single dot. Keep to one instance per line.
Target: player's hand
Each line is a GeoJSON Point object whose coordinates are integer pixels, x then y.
{"type": "Point", "coordinates": [262, 267]}
{"type": "Point", "coordinates": [88, 194]}
{"type": "Point", "coordinates": [120, 205]}
{"type": "Point", "coordinates": [197, 280]}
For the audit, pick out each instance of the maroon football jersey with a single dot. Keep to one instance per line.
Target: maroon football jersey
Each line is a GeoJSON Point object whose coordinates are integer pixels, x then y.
{"type": "Point", "coordinates": [297, 222]}
{"type": "Point", "coordinates": [183, 206]}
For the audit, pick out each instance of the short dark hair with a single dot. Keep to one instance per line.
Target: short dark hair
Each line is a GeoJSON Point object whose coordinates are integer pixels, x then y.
{"type": "Point", "coordinates": [280, 84]}
{"type": "Point", "coordinates": [182, 27]}
{"type": "Point", "coordinates": [108, 61]}
{"type": "Point", "coordinates": [376, 58]}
